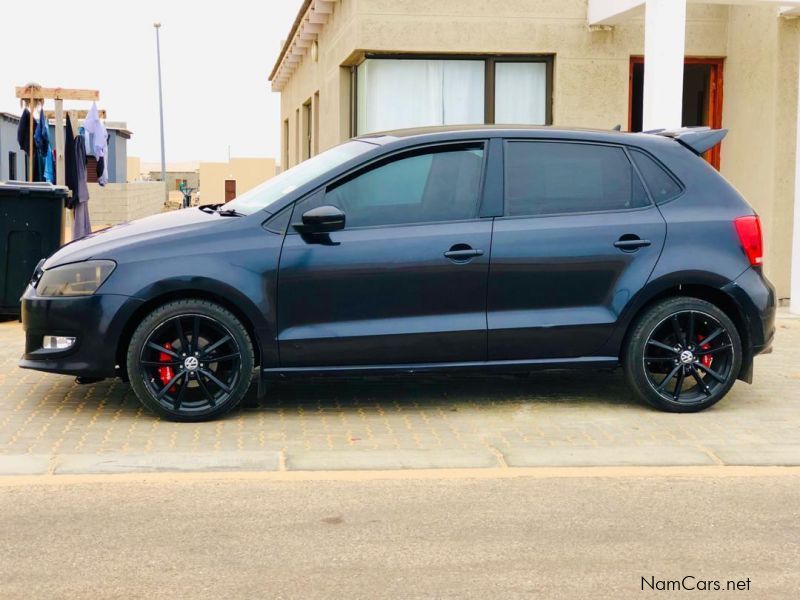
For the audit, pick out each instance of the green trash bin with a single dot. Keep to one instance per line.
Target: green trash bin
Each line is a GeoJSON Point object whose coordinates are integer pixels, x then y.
{"type": "Point", "coordinates": [30, 230]}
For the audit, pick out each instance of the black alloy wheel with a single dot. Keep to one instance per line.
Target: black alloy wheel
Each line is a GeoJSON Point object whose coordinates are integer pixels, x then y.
{"type": "Point", "coordinates": [190, 360]}
{"type": "Point", "coordinates": [684, 355]}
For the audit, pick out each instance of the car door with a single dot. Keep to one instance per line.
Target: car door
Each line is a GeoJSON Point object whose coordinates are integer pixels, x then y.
{"type": "Point", "coordinates": [405, 281]}
{"type": "Point", "coordinates": [578, 237]}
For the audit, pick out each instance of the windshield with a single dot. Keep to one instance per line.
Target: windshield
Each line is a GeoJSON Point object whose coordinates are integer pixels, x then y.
{"type": "Point", "coordinates": [264, 195]}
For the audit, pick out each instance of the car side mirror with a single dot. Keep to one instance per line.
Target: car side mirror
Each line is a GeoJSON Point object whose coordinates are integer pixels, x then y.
{"type": "Point", "coordinates": [322, 219]}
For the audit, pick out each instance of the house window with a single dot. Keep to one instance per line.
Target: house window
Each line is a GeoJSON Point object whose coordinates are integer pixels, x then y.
{"type": "Point", "coordinates": [315, 135]}
{"type": "Point", "coordinates": [12, 166]}
{"type": "Point", "coordinates": [398, 92]}
{"type": "Point", "coordinates": [520, 90]}
{"type": "Point", "coordinates": [306, 130]}
{"type": "Point", "coordinates": [297, 136]}
{"type": "Point", "coordinates": [285, 158]}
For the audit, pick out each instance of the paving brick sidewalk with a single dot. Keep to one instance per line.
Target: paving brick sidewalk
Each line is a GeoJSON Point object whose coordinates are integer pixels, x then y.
{"type": "Point", "coordinates": [48, 423]}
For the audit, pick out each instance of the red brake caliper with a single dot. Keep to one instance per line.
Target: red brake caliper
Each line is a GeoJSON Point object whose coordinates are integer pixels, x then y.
{"type": "Point", "coordinates": [706, 359]}
{"type": "Point", "coordinates": [165, 373]}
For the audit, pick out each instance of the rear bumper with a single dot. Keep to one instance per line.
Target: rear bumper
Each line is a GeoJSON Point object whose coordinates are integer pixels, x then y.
{"type": "Point", "coordinates": [756, 298]}
{"type": "Point", "coordinates": [95, 321]}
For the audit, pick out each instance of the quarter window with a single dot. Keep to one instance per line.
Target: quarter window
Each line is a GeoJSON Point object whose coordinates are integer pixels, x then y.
{"type": "Point", "coordinates": [432, 186]}
{"type": "Point", "coordinates": [661, 184]}
{"type": "Point", "coordinates": [545, 178]}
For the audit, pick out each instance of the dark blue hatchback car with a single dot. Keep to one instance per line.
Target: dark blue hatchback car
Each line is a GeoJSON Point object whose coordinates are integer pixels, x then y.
{"type": "Point", "coordinates": [482, 248]}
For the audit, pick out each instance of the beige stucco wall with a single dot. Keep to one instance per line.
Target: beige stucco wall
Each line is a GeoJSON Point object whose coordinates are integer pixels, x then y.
{"type": "Point", "coordinates": [134, 168]}
{"type": "Point", "coordinates": [760, 110]}
{"type": "Point", "coordinates": [248, 173]}
{"type": "Point", "coordinates": [591, 68]}
{"type": "Point", "coordinates": [590, 78]}
{"type": "Point", "coordinates": [116, 203]}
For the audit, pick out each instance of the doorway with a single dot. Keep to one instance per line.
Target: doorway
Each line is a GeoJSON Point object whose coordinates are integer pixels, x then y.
{"type": "Point", "coordinates": [230, 189]}
{"type": "Point", "coordinates": [702, 96]}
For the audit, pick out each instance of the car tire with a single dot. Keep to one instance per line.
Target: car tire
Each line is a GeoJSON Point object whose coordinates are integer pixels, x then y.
{"type": "Point", "coordinates": [682, 355]}
{"type": "Point", "coordinates": [190, 360]}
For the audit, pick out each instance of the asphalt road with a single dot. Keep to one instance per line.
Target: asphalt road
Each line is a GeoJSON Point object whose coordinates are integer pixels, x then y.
{"type": "Point", "coordinates": [366, 536]}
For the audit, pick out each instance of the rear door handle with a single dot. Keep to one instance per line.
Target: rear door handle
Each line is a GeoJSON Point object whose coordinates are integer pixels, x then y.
{"type": "Point", "coordinates": [459, 253]}
{"type": "Point", "coordinates": [629, 244]}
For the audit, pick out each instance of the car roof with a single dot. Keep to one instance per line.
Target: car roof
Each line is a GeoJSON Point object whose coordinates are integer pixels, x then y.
{"type": "Point", "coordinates": [456, 132]}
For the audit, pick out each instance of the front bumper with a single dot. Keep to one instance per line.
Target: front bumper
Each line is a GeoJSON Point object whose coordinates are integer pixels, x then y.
{"type": "Point", "coordinates": [96, 321]}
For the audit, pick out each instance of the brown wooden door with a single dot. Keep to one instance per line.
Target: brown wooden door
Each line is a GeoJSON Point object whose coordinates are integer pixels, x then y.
{"type": "Point", "coordinates": [702, 96]}
{"type": "Point", "coordinates": [230, 189]}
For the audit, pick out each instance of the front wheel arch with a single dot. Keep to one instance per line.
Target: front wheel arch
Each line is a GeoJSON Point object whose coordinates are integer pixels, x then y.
{"type": "Point", "coordinates": [166, 341]}
{"type": "Point", "coordinates": [152, 304]}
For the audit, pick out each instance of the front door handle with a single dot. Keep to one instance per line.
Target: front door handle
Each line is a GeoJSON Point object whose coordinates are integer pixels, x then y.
{"type": "Point", "coordinates": [462, 253]}
{"type": "Point", "coordinates": [629, 243]}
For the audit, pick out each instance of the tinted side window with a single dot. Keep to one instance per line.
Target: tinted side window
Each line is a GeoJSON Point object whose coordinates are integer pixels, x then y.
{"type": "Point", "coordinates": [436, 185]}
{"type": "Point", "coordinates": [560, 177]}
{"type": "Point", "coordinates": [661, 184]}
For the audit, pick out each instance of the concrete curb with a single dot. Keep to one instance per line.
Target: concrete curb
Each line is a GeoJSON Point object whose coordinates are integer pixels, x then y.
{"type": "Point", "coordinates": [24, 464]}
{"type": "Point", "coordinates": [608, 457]}
{"type": "Point", "coordinates": [166, 462]}
{"type": "Point", "coordinates": [781, 455]}
{"type": "Point", "coordinates": [349, 460]}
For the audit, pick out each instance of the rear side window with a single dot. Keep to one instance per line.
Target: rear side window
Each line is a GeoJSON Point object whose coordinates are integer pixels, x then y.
{"type": "Point", "coordinates": [545, 178]}
{"type": "Point", "coordinates": [661, 184]}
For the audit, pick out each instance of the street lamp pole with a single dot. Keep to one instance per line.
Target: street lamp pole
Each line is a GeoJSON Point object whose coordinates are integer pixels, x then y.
{"type": "Point", "coordinates": [160, 104]}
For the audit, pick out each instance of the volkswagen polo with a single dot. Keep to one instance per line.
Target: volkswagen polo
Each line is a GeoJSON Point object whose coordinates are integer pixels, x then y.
{"type": "Point", "coordinates": [473, 248]}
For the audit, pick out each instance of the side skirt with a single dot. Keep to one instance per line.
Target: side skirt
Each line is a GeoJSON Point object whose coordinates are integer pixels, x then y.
{"type": "Point", "coordinates": [496, 366]}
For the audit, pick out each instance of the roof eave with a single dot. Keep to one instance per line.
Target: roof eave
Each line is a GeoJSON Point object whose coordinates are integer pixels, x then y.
{"type": "Point", "coordinates": [308, 24]}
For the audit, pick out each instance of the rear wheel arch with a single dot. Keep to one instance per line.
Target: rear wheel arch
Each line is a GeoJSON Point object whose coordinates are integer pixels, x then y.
{"type": "Point", "coordinates": [683, 340]}
{"type": "Point", "coordinates": [701, 291]}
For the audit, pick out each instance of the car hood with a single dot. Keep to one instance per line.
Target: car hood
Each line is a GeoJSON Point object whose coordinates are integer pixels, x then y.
{"type": "Point", "coordinates": [107, 242]}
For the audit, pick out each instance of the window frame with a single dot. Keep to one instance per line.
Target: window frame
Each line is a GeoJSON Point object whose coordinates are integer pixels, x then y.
{"type": "Point", "coordinates": [489, 60]}
{"type": "Point", "coordinates": [625, 149]}
{"type": "Point", "coordinates": [400, 154]}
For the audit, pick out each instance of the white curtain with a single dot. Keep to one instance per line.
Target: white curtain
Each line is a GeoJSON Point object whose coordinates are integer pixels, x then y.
{"type": "Point", "coordinates": [520, 92]}
{"type": "Point", "coordinates": [398, 93]}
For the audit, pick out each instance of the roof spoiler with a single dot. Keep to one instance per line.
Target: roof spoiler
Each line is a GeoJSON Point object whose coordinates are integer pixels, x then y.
{"type": "Point", "coordinates": [696, 139]}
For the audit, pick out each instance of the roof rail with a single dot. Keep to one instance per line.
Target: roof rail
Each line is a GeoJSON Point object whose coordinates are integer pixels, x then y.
{"type": "Point", "coordinates": [696, 139]}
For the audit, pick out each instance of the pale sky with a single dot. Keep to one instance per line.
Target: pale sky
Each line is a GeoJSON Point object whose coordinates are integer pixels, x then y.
{"type": "Point", "coordinates": [215, 60]}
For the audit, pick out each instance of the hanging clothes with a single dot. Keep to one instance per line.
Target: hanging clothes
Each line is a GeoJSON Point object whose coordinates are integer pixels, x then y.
{"type": "Point", "coordinates": [98, 147]}
{"type": "Point", "coordinates": [70, 164]}
{"type": "Point", "coordinates": [81, 226]}
{"type": "Point", "coordinates": [44, 153]}
{"type": "Point", "coordinates": [22, 131]}
{"type": "Point", "coordinates": [23, 139]}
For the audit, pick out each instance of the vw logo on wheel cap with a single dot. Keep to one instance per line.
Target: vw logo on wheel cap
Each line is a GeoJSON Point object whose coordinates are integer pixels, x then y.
{"type": "Point", "coordinates": [686, 357]}
{"type": "Point", "coordinates": [191, 363]}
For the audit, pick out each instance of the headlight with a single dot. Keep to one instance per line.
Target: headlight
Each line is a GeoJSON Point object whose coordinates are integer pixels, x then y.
{"type": "Point", "coordinates": [76, 279]}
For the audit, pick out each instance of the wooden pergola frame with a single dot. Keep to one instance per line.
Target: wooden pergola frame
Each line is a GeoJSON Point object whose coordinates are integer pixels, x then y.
{"type": "Point", "coordinates": [32, 93]}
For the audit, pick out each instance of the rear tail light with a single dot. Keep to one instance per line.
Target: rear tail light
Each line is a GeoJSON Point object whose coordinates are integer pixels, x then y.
{"type": "Point", "coordinates": [749, 232]}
